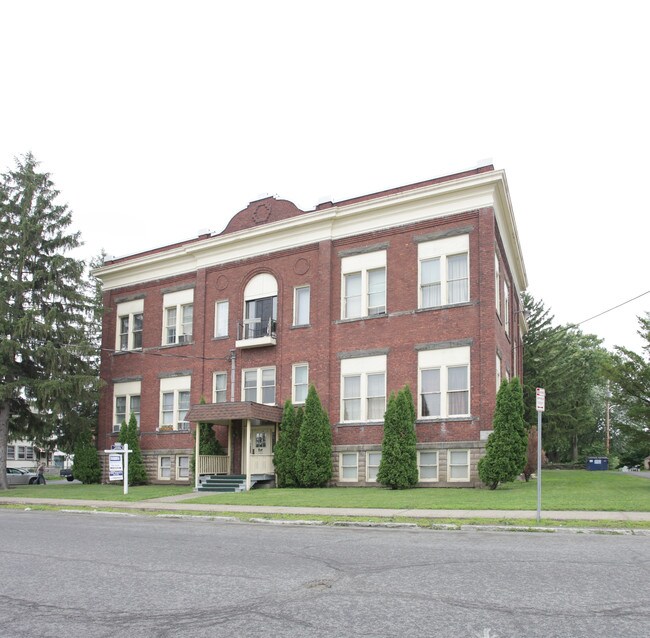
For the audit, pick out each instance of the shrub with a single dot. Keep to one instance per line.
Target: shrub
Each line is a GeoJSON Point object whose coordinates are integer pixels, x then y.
{"type": "Point", "coordinates": [129, 434]}
{"type": "Point", "coordinates": [284, 455]}
{"type": "Point", "coordinates": [314, 451]}
{"type": "Point", "coordinates": [87, 468]}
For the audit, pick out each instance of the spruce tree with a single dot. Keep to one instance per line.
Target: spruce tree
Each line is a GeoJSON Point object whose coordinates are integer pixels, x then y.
{"type": "Point", "coordinates": [505, 456]}
{"type": "Point", "coordinates": [284, 454]}
{"type": "Point", "coordinates": [314, 452]}
{"type": "Point", "coordinates": [45, 308]}
{"type": "Point", "coordinates": [398, 468]}
{"type": "Point", "coordinates": [129, 434]}
{"type": "Point", "coordinates": [87, 468]}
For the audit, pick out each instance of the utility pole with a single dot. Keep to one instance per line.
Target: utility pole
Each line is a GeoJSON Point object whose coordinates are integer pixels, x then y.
{"type": "Point", "coordinates": [607, 408]}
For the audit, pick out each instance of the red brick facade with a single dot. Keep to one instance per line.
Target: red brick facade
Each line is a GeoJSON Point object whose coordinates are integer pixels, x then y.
{"type": "Point", "coordinates": [399, 334]}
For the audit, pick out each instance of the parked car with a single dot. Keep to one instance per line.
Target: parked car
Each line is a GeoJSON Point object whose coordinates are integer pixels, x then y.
{"type": "Point", "coordinates": [67, 474]}
{"type": "Point", "coordinates": [17, 476]}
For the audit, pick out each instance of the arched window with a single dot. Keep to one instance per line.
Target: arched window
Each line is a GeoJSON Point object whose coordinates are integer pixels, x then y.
{"type": "Point", "coordinates": [260, 306]}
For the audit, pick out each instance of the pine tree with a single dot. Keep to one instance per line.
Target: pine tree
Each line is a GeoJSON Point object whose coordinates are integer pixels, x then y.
{"type": "Point", "coordinates": [398, 468]}
{"type": "Point", "coordinates": [87, 468]}
{"type": "Point", "coordinates": [284, 454]}
{"type": "Point", "coordinates": [129, 434]}
{"type": "Point", "coordinates": [505, 456]}
{"type": "Point", "coordinates": [45, 306]}
{"type": "Point", "coordinates": [314, 452]}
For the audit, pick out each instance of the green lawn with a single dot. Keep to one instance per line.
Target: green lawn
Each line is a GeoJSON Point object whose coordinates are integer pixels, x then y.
{"type": "Point", "coordinates": [561, 490]}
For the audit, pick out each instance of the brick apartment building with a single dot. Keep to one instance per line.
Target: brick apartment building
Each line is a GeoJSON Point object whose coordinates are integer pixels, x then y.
{"type": "Point", "coordinates": [416, 285]}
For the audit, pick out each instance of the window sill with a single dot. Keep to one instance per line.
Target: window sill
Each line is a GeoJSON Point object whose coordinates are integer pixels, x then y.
{"type": "Point", "coordinates": [461, 304]}
{"type": "Point", "coordinates": [443, 419]}
{"type": "Point", "coordinates": [382, 315]}
{"type": "Point", "coordinates": [132, 351]}
{"type": "Point", "coordinates": [357, 423]}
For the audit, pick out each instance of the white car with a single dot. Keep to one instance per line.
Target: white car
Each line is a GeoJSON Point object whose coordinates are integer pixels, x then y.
{"type": "Point", "coordinates": [17, 476]}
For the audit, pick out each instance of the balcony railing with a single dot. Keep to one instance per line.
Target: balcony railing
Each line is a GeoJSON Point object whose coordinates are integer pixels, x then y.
{"type": "Point", "coordinates": [214, 464]}
{"type": "Point", "coordinates": [253, 333]}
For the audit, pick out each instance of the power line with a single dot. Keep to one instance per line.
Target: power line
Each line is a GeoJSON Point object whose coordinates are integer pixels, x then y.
{"type": "Point", "coordinates": [604, 312]}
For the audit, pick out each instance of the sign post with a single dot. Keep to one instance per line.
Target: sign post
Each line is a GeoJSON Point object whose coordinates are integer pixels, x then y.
{"type": "Point", "coordinates": [118, 471]}
{"type": "Point", "coordinates": [540, 404]}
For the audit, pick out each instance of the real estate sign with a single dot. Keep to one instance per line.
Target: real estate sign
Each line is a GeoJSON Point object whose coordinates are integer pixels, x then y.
{"type": "Point", "coordinates": [115, 469]}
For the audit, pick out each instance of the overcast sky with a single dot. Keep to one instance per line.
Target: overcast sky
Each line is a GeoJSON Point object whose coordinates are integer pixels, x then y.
{"type": "Point", "coordinates": [159, 119]}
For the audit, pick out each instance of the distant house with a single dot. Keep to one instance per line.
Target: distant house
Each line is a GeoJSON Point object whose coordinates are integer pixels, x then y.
{"type": "Point", "coordinates": [417, 285]}
{"type": "Point", "coordinates": [23, 453]}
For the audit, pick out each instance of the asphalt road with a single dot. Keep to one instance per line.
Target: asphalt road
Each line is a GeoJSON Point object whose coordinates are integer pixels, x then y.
{"type": "Point", "coordinates": [100, 575]}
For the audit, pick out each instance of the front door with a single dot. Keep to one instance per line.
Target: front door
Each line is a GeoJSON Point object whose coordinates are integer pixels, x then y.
{"type": "Point", "coordinates": [261, 449]}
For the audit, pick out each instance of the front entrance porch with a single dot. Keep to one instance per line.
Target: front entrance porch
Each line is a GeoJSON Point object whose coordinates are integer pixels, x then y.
{"type": "Point", "coordinates": [252, 433]}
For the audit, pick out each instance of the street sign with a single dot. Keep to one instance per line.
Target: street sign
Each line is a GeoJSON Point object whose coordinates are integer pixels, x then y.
{"type": "Point", "coordinates": [540, 399]}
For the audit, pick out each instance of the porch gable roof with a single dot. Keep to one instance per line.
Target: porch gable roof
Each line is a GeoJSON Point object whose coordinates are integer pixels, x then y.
{"type": "Point", "coordinates": [223, 413]}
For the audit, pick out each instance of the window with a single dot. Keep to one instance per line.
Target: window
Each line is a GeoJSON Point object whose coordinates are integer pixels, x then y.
{"type": "Point", "coordinates": [444, 382]}
{"type": "Point", "coordinates": [174, 403]}
{"type": "Point", "coordinates": [428, 465]}
{"type": "Point", "coordinates": [498, 371]}
{"type": "Point", "coordinates": [11, 452]}
{"type": "Point", "coordinates": [260, 307]}
{"type": "Point", "coordinates": [363, 285]}
{"type": "Point", "coordinates": [183, 468]}
{"type": "Point", "coordinates": [363, 381]}
{"type": "Point", "coordinates": [126, 401]}
{"type": "Point", "coordinates": [164, 468]}
{"type": "Point", "coordinates": [220, 387]}
{"type": "Point", "coordinates": [300, 382]}
{"type": "Point", "coordinates": [178, 317]}
{"type": "Point", "coordinates": [259, 385]}
{"type": "Point", "coordinates": [444, 271]}
{"type": "Point", "coordinates": [373, 459]}
{"type": "Point", "coordinates": [506, 307]}
{"type": "Point", "coordinates": [221, 319]}
{"type": "Point", "coordinates": [497, 284]}
{"type": "Point", "coordinates": [129, 325]}
{"type": "Point", "coordinates": [25, 453]}
{"type": "Point", "coordinates": [349, 466]}
{"type": "Point", "coordinates": [301, 306]}
{"type": "Point", "coordinates": [458, 465]}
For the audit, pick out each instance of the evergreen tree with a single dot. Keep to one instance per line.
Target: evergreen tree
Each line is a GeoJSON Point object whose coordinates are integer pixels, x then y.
{"type": "Point", "coordinates": [505, 456]}
{"type": "Point", "coordinates": [87, 468]}
{"type": "Point", "coordinates": [208, 443]}
{"type": "Point", "coordinates": [284, 454]}
{"type": "Point", "coordinates": [398, 468]}
{"type": "Point", "coordinates": [129, 434]}
{"type": "Point", "coordinates": [45, 353]}
{"type": "Point", "coordinates": [314, 451]}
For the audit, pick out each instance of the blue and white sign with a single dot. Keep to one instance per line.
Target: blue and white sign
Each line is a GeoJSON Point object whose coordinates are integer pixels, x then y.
{"type": "Point", "coordinates": [115, 468]}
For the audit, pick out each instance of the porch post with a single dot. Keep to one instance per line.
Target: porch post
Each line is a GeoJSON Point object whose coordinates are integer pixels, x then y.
{"type": "Point", "coordinates": [230, 450]}
{"type": "Point", "coordinates": [248, 454]}
{"type": "Point", "coordinates": [197, 463]}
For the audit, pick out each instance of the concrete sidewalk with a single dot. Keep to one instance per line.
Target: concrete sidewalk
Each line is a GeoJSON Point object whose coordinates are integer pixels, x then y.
{"type": "Point", "coordinates": [174, 504]}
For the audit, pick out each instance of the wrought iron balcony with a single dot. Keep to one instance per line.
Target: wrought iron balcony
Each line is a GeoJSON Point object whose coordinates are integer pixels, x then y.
{"type": "Point", "coordinates": [254, 333]}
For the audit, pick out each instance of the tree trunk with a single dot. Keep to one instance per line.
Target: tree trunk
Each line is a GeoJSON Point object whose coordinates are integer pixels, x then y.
{"type": "Point", "coordinates": [4, 439]}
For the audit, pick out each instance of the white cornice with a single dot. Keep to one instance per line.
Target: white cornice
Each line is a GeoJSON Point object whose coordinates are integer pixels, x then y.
{"type": "Point", "coordinates": [394, 210]}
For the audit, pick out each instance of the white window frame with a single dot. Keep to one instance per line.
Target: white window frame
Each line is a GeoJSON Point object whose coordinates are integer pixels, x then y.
{"type": "Point", "coordinates": [499, 368]}
{"type": "Point", "coordinates": [260, 383]}
{"type": "Point", "coordinates": [131, 391]}
{"type": "Point", "coordinates": [179, 388]}
{"type": "Point", "coordinates": [464, 479]}
{"type": "Point", "coordinates": [11, 452]}
{"type": "Point", "coordinates": [221, 318]}
{"type": "Point", "coordinates": [180, 467]}
{"type": "Point", "coordinates": [344, 464]}
{"type": "Point", "coordinates": [444, 359]}
{"type": "Point", "coordinates": [179, 302]}
{"type": "Point", "coordinates": [301, 314]}
{"type": "Point", "coordinates": [497, 284]}
{"type": "Point", "coordinates": [364, 265]}
{"type": "Point", "coordinates": [362, 367]}
{"type": "Point", "coordinates": [216, 389]}
{"type": "Point", "coordinates": [128, 311]}
{"type": "Point", "coordinates": [372, 466]}
{"type": "Point", "coordinates": [299, 398]}
{"type": "Point", "coordinates": [442, 250]}
{"type": "Point", "coordinates": [506, 307]}
{"type": "Point", "coordinates": [421, 465]}
{"type": "Point", "coordinates": [164, 467]}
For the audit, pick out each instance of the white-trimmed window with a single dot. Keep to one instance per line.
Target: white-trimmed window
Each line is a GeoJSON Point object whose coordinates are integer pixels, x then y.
{"type": "Point", "coordinates": [178, 317]}
{"type": "Point", "coordinates": [183, 468]}
{"type": "Point", "coordinates": [175, 402]}
{"type": "Point", "coordinates": [260, 306]}
{"type": "Point", "coordinates": [11, 452]}
{"type": "Point", "coordinates": [300, 383]}
{"type": "Point", "coordinates": [457, 465]}
{"type": "Point", "coordinates": [221, 318]}
{"type": "Point", "coordinates": [363, 285]}
{"type": "Point", "coordinates": [126, 401]}
{"type": "Point", "coordinates": [165, 468]}
{"type": "Point", "coordinates": [349, 466]}
{"type": "Point", "coordinates": [220, 384]}
{"type": "Point", "coordinates": [25, 453]}
{"type": "Point", "coordinates": [444, 382]}
{"type": "Point", "coordinates": [428, 465]}
{"type": "Point", "coordinates": [373, 459]}
{"type": "Point", "coordinates": [129, 325]}
{"type": "Point", "coordinates": [506, 307]}
{"type": "Point", "coordinates": [499, 368]}
{"type": "Point", "coordinates": [443, 271]}
{"type": "Point", "coordinates": [363, 383]}
{"type": "Point", "coordinates": [301, 302]}
{"type": "Point", "coordinates": [497, 284]}
{"type": "Point", "coordinates": [259, 385]}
